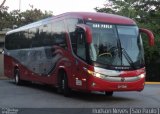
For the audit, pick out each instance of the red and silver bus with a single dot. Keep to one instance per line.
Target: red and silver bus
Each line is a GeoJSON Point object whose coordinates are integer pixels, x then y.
{"type": "Point", "coordinates": [78, 51]}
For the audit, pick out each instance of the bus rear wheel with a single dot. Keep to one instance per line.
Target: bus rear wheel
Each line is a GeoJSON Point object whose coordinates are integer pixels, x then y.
{"type": "Point", "coordinates": [17, 77]}
{"type": "Point", "coordinates": [63, 84]}
{"type": "Point", "coordinates": [109, 93]}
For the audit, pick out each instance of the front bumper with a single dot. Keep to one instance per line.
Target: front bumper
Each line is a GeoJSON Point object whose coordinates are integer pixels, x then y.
{"type": "Point", "coordinates": [98, 84]}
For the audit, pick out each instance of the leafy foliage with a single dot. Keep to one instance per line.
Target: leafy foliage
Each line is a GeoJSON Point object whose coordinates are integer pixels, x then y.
{"type": "Point", "coordinates": [15, 17]}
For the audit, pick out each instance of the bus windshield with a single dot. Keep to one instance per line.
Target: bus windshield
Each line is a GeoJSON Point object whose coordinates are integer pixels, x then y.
{"type": "Point", "coordinates": [116, 46]}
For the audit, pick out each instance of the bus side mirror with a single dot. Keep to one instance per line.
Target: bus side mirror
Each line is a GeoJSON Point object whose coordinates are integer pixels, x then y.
{"type": "Point", "coordinates": [149, 35]}
{"type": "Point", "coordinates": [88, 32]}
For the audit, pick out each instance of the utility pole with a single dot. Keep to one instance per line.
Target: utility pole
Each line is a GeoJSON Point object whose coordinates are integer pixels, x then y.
{"type": "Point", "coordinates": [19, 5]}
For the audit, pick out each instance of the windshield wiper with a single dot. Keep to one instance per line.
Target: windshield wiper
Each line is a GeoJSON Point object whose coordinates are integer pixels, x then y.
{"type": "Point", "coordinates": [128, 58]}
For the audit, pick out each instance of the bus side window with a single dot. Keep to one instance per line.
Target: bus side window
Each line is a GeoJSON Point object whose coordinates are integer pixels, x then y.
{"type": "Point", "coordinates": [71, 24]}
{"type": "Point", "coordinates": [8, 42]}
{"type": "Point", "coordinates": [33, 37]}
{"type": "Point", "coordinates": [81, 44]}
{"type": "Point", "coordinates": [59, 34]}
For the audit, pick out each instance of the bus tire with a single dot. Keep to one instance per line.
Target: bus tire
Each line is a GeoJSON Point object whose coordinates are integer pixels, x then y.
{"type": "Point", "coordinates": [17, 77]}
{"type": "Point", "coordinates": [109, 93]}
{"type": "Point", "coordinates": [63, 85]}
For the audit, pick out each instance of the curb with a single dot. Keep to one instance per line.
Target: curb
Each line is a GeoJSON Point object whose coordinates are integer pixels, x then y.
{"type": "Point", "coordinates": [152, 82]}
{"type": "Point", "coordinates": [3, 78]}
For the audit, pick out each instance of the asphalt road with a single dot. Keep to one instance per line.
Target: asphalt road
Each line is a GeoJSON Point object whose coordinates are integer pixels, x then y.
{"type": "Point", "coordinates": [38, 96]}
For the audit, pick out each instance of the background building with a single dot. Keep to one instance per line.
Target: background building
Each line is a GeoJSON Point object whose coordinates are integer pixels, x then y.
{"type": "Point", "coordinates": [2, 37]}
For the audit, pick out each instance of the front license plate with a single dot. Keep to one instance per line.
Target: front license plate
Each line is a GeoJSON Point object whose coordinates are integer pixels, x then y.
{"type": "Point", "coordinates": [122, 86]}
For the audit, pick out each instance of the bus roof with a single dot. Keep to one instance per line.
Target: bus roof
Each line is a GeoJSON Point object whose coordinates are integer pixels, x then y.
{"type": "Point", "coordinates": [102, 17]}
{"type": "Point", "coordinates": [90, 16]}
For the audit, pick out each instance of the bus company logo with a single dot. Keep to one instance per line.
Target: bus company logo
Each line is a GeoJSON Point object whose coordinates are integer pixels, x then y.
{"type": "Point", "coordinates": [122, 79]}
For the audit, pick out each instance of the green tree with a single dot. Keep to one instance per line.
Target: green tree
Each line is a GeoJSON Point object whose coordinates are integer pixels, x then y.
{"type": "Point", "coordinates": [28, 16]}
{"type": "Point", "coordinates": [4, 16]}
{"type": "Point", "coordinates": [15, 17]}
{"type": "Point", "coordinates": [131, 8]}
{"type": "Point", "coordinates": [33, 15]}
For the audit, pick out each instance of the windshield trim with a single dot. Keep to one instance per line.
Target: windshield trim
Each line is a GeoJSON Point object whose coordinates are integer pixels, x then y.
{"type": "Point", "coordinates": [120, 51]}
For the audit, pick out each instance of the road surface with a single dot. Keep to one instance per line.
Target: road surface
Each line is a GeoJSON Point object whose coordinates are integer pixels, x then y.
{"type": "Point", "coordinates": [38, 96]}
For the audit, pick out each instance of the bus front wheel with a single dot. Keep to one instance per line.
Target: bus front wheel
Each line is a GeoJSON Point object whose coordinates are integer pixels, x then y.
{"type": "Point", "coordinates": [109, 93]}
{"type": "Point", "coordinates": [63, 84]}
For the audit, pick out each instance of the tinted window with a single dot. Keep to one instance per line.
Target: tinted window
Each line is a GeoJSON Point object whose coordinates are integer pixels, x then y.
{"type": "Point", "coordinates": [48, 39]}
{"type": "Point", "coordinates": [12, 40]}
{"type": "Point", "coordinates": [35, 37]}
{"type": "Point", "coordinates": [81, 45]}
{"type": "Point", "coordinates": [45, 35]}
{"type": "Point", "coordinates": [59, 34]}
{"type": "Point", "coordinates": [71, 24]}
{"type": "Point", "coordinates": [24, 41]}
{"type": "Point", "coordinates": [8, 42]}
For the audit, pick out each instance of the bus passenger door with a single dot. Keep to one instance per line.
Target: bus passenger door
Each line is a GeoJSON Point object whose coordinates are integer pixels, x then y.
{"type": "Point", "coordinates": [80, 60]}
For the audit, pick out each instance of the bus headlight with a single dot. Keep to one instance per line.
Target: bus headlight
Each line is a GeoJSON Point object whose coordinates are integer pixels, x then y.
{"type": "Point", "coordinates": [98, 75]}
{"type": "Point", "coordinates": [142, 75]}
